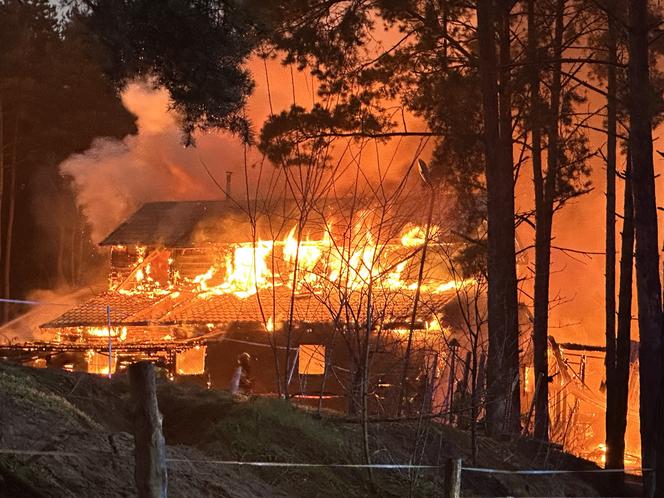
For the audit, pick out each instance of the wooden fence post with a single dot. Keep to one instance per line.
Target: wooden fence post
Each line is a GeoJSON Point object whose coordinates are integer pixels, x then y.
{"type": "Point", "coordinates": [452, 481]}
{"type": "Point", "coordinates": [149, 445]}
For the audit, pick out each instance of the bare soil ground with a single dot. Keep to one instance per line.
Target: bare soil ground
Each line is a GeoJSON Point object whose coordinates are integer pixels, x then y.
{"type": "Point", "coordinates": [86, 418]}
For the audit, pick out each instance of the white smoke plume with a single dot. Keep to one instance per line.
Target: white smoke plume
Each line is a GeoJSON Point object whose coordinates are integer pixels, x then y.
{"type": "Point", "coordinates": [115, 177]}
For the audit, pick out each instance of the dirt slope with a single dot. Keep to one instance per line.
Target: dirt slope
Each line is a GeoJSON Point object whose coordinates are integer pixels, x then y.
{"type": "Point", "coordinates": [49, 410]}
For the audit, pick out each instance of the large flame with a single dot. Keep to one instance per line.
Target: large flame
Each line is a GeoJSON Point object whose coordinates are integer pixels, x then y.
{"type": "Point", "coordinates": [246, 270]}
{"type": "Point", "coordinates": [103, 332]}
{"type": "Point", "coordinates": [310, 264]}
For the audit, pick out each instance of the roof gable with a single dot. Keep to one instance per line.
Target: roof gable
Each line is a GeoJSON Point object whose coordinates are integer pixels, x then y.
{"type": "Point", "coordinates": [177, 224]}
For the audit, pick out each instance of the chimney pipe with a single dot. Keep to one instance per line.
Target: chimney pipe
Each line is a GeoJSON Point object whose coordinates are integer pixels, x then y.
{"type": "Point", "coordinates": [229, 174]}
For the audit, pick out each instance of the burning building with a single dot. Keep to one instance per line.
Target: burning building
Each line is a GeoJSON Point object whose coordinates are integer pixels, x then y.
{"type": "Point", "coordinates": [317, 303]}
{"type": "Point", "coordinates": [194, 284]}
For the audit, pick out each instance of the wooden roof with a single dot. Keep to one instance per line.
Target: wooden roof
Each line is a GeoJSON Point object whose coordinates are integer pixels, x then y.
{"type": "Point", "coordinates": [186, 224]}
{"type": "Point", "coordinates": [179, 224]}
{"type": "Point", "coordinates": [198, 309]}
{"type": "Point", "coordinates": [93, 312]}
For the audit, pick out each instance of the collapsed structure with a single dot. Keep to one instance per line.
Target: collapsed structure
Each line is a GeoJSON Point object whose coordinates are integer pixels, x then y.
{"type": "Point", "coordinates": [577, 402]}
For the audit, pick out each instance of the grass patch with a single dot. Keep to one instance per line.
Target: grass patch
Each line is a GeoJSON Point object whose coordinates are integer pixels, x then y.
{"type": "Point", "coordinates": [25, 390]}
{"type": "Point", "coordinates": [18, 479]}
{"type": "Point", "coordinates": [273, 430]}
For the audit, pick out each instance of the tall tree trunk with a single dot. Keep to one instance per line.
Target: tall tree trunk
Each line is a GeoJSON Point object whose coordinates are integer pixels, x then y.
{"type": "Point", "coordinates": [72, 249]}
{"type": "Point", "coordinates": [10, 220]}
{"type": "Point", "coordinates": [645, 226]}
{"type": "Point", "coordinates": [614, 451]}
{"type": "Point", "coordinates": [474, 399]}
{"type": "Point", "coordinates": [544, 222]}
{"type": "Point", "coordinates": [546, 185]}
{"type": "Point", "coordinates": [365, 384]}
{"type": "Point", "coordinates": [502, 405]}
{"type": "Point", "coordinates": [60, 262]}
{"type": "Point", "coordinates": [512, 421]}
{"type": "Point", "coordinates": [615, 440]}
{"type": "Point", "coordinates": [403, 390]}
{"type": "Point", "coordinates": [2, 169]}
{"type": "Point", "coordinates": [541, 430]}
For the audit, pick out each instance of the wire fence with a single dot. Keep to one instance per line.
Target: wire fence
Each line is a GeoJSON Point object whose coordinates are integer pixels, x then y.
{"type": "Point", "coordinates": [303, 465]}
{"type": "Point", "coordinates": [384, 466]}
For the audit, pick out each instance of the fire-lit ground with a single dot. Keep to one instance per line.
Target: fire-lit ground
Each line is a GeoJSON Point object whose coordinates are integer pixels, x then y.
{"type": "Point", "coordinates": [88, 416]}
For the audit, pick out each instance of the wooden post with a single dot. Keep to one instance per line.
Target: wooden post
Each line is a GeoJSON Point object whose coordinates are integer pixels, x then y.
{"type": "Point", "coordinates": [453, 346]}
{"type": "Point", "coordinates": [531, 410]}
{"type": "Point", "coordinates": [452, 481]}
{"type": "Point", "coordinates": [110, 342]}
{"type": "Point", "coordinates": [149, 445]}
{"type": "Point", "coordinates": [466, 371]}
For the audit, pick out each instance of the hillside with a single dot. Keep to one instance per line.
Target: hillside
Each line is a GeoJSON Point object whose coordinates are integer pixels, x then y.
{"type": "Point", "coordinates": [86, 420]}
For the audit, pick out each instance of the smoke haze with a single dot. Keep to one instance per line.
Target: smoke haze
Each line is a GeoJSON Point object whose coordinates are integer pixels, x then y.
{"type": "Point", "coordinates": [114, 178]}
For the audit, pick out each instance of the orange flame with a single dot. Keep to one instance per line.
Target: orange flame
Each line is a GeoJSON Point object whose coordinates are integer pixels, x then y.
{"type": "Point", "coordinates": [248, 267]}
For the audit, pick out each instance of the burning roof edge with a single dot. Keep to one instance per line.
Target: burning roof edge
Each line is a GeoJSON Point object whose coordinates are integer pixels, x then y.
{"type": "Point", "coordinates": [196, 223]}
{"type": "Point", "coordinates": [132, 310]}
{"type": "Point", "coordinates": [170, 223]}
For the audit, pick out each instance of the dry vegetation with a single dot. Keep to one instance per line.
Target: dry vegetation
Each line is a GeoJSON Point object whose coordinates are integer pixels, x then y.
{"type": "Point", "coordinates": [51, 410]}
